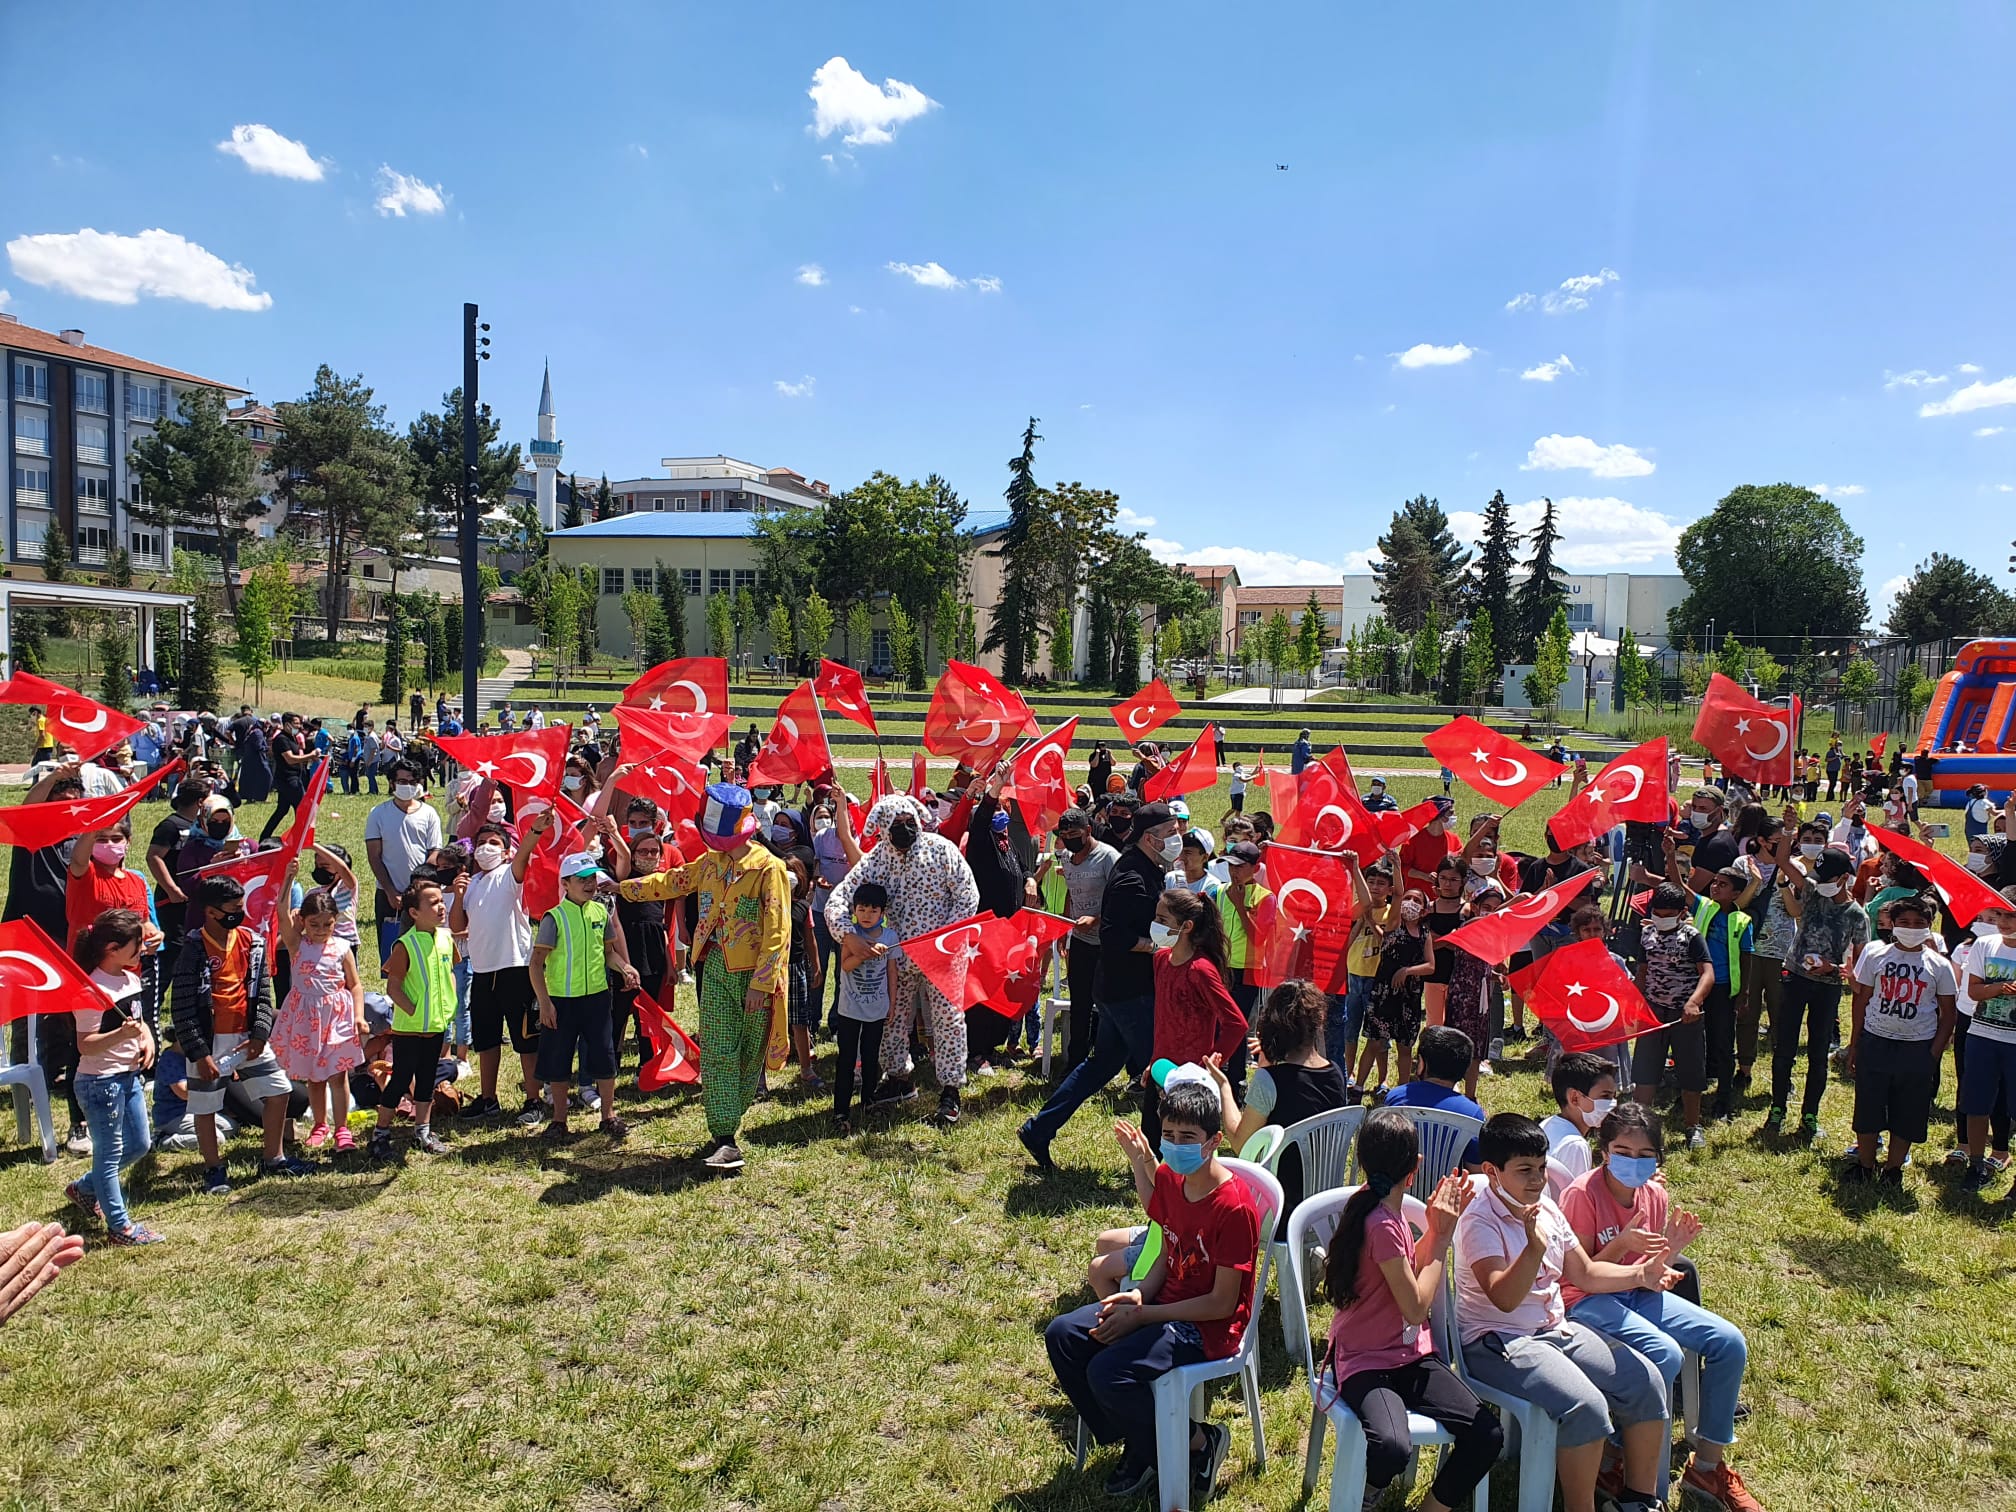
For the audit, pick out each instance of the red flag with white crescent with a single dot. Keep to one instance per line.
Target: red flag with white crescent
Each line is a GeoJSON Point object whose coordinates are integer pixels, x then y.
{"type": "Point", "coordinates": [1879, 743]}
{"type": "Point", "coordinates": [973, 716]}
{"type": "Point", "coordinates": [919, 780]}
{"type": "Point", "coordinates": [1310, 932]}
{"type": "Point", "coordinates": [842, 692]}
{"type": "Point", "coordinates": [676, 785]}
{"type": "Point", "coordinates": [684, 685]}
{"type": "Point", "coordinates": [1327, 814]}
{"type": "Point", "coordinates": [796, 750]}
{"type": "Point", "coordinates": [562, 837]}
{"type": "Point", "coordinates": [1495, 765]}
{"type": "Point", "coordinates": [1192, 772]}
{"type": "Point", "coordinates": [36, 826]}
{"type": "Point", "coordinates": [263, 875]}
{"type": "Point", "coordinates": [87, 726]}
{"type": "Point", "coordinates": [1630, 787]}
{"type": "Point", "coordinates": [946, 958]}
{"type": "Point", "coordinates": [1040, 787]}
{"type": "Point", "coordinates": [1397, 826]}
{"type": "Point", "coordinates": [675, 1059]}
{"type": "Point", "coordinates": [529, 762]}
{"type": "Point", "coordinates": [1004, 977]}
{"type": "Point", "coordinates": [1146, 712]}
{"type": "Point", "coordinates": [1965, 894]}
{"type": "Point", "coordinates": [1496, 937]}
{"type": "Point", "coordinates": [38, 977]}
{"type": "Point", "coordinates": [1581, 994]}
{"type": "Point", "coordinates": [1752, 739]}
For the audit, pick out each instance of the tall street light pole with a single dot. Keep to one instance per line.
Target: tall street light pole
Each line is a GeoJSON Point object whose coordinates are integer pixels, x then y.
{"type": "Point", "coordinates": [473, 607]}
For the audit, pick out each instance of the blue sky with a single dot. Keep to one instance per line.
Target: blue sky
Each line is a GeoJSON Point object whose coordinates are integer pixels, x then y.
{"type": "Point", "coordinates": [1765, 241]}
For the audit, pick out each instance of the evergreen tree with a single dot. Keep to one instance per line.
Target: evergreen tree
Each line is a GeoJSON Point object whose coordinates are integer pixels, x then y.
{"type": "Point", "coordinates": [115, 649]}
{"type": "Point", "coordinates": [1550, 662]}
{"type": "Point", "coordinates": [1632, 682]}
{"type": "Point", "coordinates": [195, 471]}
{"type": "Point", "coordinates": [1440, 559]}
{"type": "Point", "coordinates": [1062, 653]}
{"type": "Point", "coordinates": [1497, 559]}
{"type": "Point", "coordinates": [657, 637]}
{"type": "Point", "coordinates": [672, 604]}
{"type": "Point", "coordinates": [1480, 660]}
{"type": "Point", "coordinates": [605, 500]}
{"type": "Point", "coordinates": [435, 443]}
{"type": "Point", "coordinates": [119, 568]}
{"type": "Point", "coordinates": [1408, 581]}
{"type": "Point", "coordinates": [570, 512]}
{"type": "Point", "coordinates": [969, 634]}
{"type": "Point", "coordinates": [1018, 618]}
{"type": "Point", "coordinates": [860, 634]}
{"type": "Point", "coordinates": [436, 666]}
{"type": "Point", "coordinates": [28, 653]}
{"type": "Point", "coordinates": [451, 635]}
{"type": "Point", "coordinates": [815, 625]}
{"type": "Point", "coordinates": [200, 687]}
{"type": "Point", "coordinates": [392, 681]}
{"type": "Point", "coordinates": [945, 626]}
{"type": "Point", "coordinates": [1098, 641]}
{"type": "Point", "coordinates": [55, 552]}
{"type": "Point", "coordinates": [1543, 591]}
{"type": "Point", "coordinates": [1428, 649]}
{"type": "Point", "coordinates": [1127, 661]}
{"type": "Point", "coordinates": [1310, 635]}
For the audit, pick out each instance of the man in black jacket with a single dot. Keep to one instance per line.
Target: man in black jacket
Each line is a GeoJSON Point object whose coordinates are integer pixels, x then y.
{"type": "Point", "coordinates": [1126, 984]}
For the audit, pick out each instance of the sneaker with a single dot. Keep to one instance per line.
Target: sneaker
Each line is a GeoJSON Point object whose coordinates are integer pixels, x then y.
{"type": "Point", "coordinates": [1809, 1129]}
{"type": "Point", "coordinates": [82, 1200]}
{"type": "Point", "coordinates": [79, 1142]}
{"type": "Point", "coordinates": [1854, 1173]}
{"type": "Point", "coordinates": [811, 1081]}
{"type": "Point", "coordinates": [1956, 1157]}
{"type": "Point", "coordinates": [481, 1107]}
{"type": "Point", "coordinates": [555, 1133]}
{"type": "Point", "coordinates": [591, 1098]}
{"type": "Point", "coordinates": [616, 1129]}
{"type": "Point", "coordinates": [841, 1127]}
{"type": "Point", "coordinates": [1484, 1069]}
{"type": "Point", "coordinates": [1206, 1462]}
{"type": "Point", "coordinates": [532, 1115]}
{"type": "Point", "coordinates": [726, 1158]}
{"type": "Point", "coordinates": [1774, 1121]}
{"type": "Point", "coordinates": [1741, 1081]}
{"type": "Point", "coordinates": [288, 1165]}
{"type": "Point", "coordinates": [216, 1182]}
{"type": "Point", "coordinates": [1129, 1479]}
{"type": "Point", "coordinates": [1721, 1110]}
{"type": "Point", "coordinates": [1516, 1032]}
{"type": "Point", "coordinates": [947, 1115]}
{"type": "Point", "coordinates": [1998, 1162]}
{"type": "Point", "coordinates": [1697, 1138]}
{"type": "Point", "coordinates": [318, 1136]}
{"type": "Point", "coordinates": [1979, 1174]}
{"type": "Point", "coordinates": [895, 1092]}
{"type": "Point", "coordinates": [1039, 1149]}
{"type": "Point", "coordinates": [133, 1236]}
{"type": "Point", "coordinates": [381, 1144]}
{"type": "Point", "coordinates": [1891, 1176]}
{"type": "Point", "coordinates": [1721, 1487]}
{"type": "Point", "coordinates": [345, 1141]}
{"type": "Point", "coordinates": [431, 1142]}
{"type": "Point", "coordinates": [1497, 1050]}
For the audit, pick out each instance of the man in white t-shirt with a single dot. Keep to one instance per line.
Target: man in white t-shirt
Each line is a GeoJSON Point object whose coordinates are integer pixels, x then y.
{"type": "Point", "coordinates": [489, 912]}
{"type": "Point", "coordinates": [398, 835]}
{"type": "Point", "coordinates": [1901, 1020]}
{"type": "Point", "coordinates": [1991, 1037]}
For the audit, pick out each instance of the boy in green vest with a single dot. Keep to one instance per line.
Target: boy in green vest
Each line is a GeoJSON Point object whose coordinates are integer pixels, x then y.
{"type": "Point", "coordinates": [1726, 930]}
{"type": "Point", "coordinates": [572, 957]}
{"type": "Point", "coordinates": [420, 977]}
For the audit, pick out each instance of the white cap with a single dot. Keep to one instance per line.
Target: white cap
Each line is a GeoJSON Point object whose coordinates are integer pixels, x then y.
{"type": "Point", "coordinates": [582, 864]}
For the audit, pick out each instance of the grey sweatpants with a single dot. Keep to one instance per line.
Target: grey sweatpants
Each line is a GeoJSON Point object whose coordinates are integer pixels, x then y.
{"type": "Point", "coordinates": [1573, 1374]}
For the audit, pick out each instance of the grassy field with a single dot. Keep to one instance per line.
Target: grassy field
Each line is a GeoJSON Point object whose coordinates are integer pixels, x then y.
{"type": "Point", "coordinates": [855, 1324]}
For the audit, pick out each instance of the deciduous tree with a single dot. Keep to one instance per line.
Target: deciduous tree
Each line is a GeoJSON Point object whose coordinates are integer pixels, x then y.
{"type": "Point", "coordinates": [1773, 561]}
{"type": "Point", "coordinates": [196, 475]}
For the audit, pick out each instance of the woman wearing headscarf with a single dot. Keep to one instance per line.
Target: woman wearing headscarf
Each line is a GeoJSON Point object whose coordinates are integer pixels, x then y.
{"type": "Point", "coordinates": [1003, 885]}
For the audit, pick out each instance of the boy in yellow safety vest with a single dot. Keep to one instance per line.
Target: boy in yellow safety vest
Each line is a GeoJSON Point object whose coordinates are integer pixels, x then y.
{"type": "Point", "coordinates": [572, 957]}
{"type": "Point", "coordinates": [420, 977]}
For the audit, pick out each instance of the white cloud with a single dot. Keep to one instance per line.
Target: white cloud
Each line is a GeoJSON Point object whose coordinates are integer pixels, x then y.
{"type": "Point", "coordinates": [1886, 596]}
{"type": "Point", "coordinates": [1916, 378]}
{"type": "Point", "coordinates": [5, 299]}
{"type": "Point", "coordinates": [811, 275]}
{"type": "Point", "coordinates": [844, 100]}
{"type": "Point", "coordinates": [802, 389]}
{"type": "Point", "coordinates": [1838, 490]}
{"type": "Point", "coordinates": [264, 150]}
{"type": "Point", "coordinates": [1422, 354]}
{"type": "Point", "coordinates": [1597, 535]}
{"type": "Point", "coordinates": [853, 309]}
{"type": "Point", "coordinates": [1982, 431]}
{"type": "Point", "coordinates": [119, 269]}
{"type": "Point", "coordinates": [1572, 295]}
{"type": "Point", "coordinates": [399, 193]}
{"type": "Point", "coordinates": [1126, 519]}
{"type": "Point", "coordinates": [1261, 569]}
{"type": "Point", "coordinates": [1976, 396]}
{"type": "Point", "coordinates": [1560, 453]}
{"type": "Point", "coordinates": [1547, 372]}
{"type": "Point", "coordinates": [933, 275]}
{"type": "Point", "coordinates": [640, 149]}
{"type": "Point", "coordinates": [2005, 488]}
{"type": "Point", "coordinates": [1968, 367]}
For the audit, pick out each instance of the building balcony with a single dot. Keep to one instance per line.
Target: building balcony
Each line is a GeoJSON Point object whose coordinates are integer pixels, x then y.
{"type": "Point", "coordinates": [31, 498]}
{"type": "Point", "coordinates": [148, 559]}
{"type": "Point", "coordinates": [31, 446]}
{"type": "Point", "coordinates": [29, 549]}
{"type": "Point", "coordinates": [87, 556]}
{"type": "Point", "coordinates": [96, 455]}
{"type": "Point", "coordinates": [94, 506]}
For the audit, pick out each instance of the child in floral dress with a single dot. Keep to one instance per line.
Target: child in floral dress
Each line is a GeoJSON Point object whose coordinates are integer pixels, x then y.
{"type": "Point", "coordinates": [319, 1033]}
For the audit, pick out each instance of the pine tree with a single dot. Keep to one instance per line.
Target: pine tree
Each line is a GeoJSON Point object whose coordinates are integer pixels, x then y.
{"type": "Point", "coordinates": [119, 568]}
{"type": "Point", "coordinates": [672, 602]}
{"type": "Point", "coordinates": [1098, 642]}
{"type": "Point", "coordinates": [392, 681]}
{"type": "Point", "coordinates": [1428, 649]}
{"type": "Point", "coordinates": [720, 625]}
{"type": "Point", "coordinates": [1309, 635]}
{"type": "Point", "coordinates": [945, 626]}
{"type": "Point", "coordinates": [1543, 591]}
{"type": "Point", "coordinates": [605, 500]}
{"type": "Point", "coordinates": [1017, 618]}
{"type": "Point", "coordinates": [115, 648]}
{"type": "Point", "coordinates": [570, 512]}
{"type": "Point", "coordinates": [436, 667]}
{"type": "Point", "coordinates": [1127, 663]}
{"type": "Point", "coordinates": [1062, 653]}
{"type": "Point", "coordinates": [1497, 559]}
{"type": "Point", "coordinates": [969, 634]}
{"type": "Point", "coordinates": [1434, 555]}
{"type": "Point", "coordinates": [451, 635]}
{"type": "Point", "coordinates": [200, 686]}
{"type": "Point", "coordinates": [657, 637]}
{"type": "Point", "coordinates": [28, 653]}
{"type": "Point", "coordinates": [55, 553]}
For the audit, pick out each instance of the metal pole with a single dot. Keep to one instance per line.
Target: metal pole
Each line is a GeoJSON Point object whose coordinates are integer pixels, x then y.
{"type": "Point", "coordinates": [473, 607]}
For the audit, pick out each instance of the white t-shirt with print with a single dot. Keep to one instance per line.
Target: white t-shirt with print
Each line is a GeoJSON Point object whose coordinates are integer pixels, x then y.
{"type": "Point", "coordinates": [1993, 960]}
{"type": "Point", "coordinates": [1907, 986]}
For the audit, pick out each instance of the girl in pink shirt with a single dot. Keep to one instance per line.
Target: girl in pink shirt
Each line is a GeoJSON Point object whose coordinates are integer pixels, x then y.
{"type": "Point", "coordinates": [1380, 1360]}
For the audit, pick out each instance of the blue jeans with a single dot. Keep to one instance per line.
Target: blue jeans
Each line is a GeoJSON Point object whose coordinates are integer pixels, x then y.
{"type": "Point", "coordinates": [1113, 1385]}
{"type": "Point", "coordinates": [1347, 1014]}
{"type": "Point", "coordinates": [115, 1110]}
{"type": "Point", "coordinates": [1659, 1325]}
{"type": "Point", "coordinates": [1126, 1037]}
{"type": "Point", "coordinates": [458, 1034]}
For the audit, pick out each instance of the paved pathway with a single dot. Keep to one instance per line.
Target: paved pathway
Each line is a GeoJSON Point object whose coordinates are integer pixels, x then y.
{"type": "Point", "coordinates": [1260, 696]}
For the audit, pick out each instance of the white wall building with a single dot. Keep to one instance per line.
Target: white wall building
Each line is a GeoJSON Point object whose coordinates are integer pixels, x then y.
{"type": "Point", "coordinates": [717, 485]}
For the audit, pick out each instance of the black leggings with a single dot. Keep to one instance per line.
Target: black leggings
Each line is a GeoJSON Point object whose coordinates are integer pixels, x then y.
{"type": "Point", "coordinates": [864, 1040]}
{"type": "Point", "coordinates": [1819, 1005]}
{"type": "Point", "coordinates": [1383, 1398]}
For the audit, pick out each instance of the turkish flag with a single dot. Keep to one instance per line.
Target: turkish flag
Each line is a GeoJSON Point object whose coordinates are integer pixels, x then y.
{"type": "Point", "coordinates": [918, 781]}
{"type": "Point", "coordinates": [1192, 772]}
{"type": "Point", "coordinates": [1327, 813]}
{"type": "Point", "coordinates": [972, 717]}
{"type": "Point", "coordinates": [300, 835]}
{"type": "Point", "coordinates": [675, 1058]}
{"type": "Point", "coordinates": [1489, 763]}
{"type": "Point", "coordinates": [1397, 826]}
{"type": "Point", "coordinates": [562, 837]}
{"type": "Point", "coordinates": [1752, 740]}
{"type": "Point", "coordinates": [263, 875]}
{"type": "Point", "coordinates": [684, 685]}
{"type": "Point", "coordinates": [38, 977]}
{"type": "Point", "coordinates": [1965, 894]}
{"type": "Point", "coordinates": [676, 785]}
{"type": "Point", "coordinates": [879, 785]}
{"type": "Point", "coordinates": [85, 725]}
{"type": "Point", "coordinates": [796, 750]}
{"type": "Point", "coordinates": [694, 736]}
{"type": "Point", "coordinates": [1146, 712]}
{"type": "Point", "coordinates": [1878, 744]}
{"type": "Point", "coordinates": [1005, 976]}
{"type": "Point", "coordinates": [946, 958]}
{"type": "Point", "coordinates": [1311, 928]}
{"type": "Point", "coordinates": [1632, 786]}
{"type": "Point", "coordinates": [1582, 995]}
{"type": "Point", "coordinates": [1497, 937]}
{"type": "Point", "coordinates": [36, 826]}
{"type": "Point", "coordinates": [1037, 779]}
{"type": "Point", "coordinates": [529, 762]}
{"type": "Point", "coordinates": [841, 690]}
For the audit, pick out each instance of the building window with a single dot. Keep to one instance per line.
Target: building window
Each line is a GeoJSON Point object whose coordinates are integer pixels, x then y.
{"type": "Point", "coordinates": [658, 504]}
{"type": "Point", "coordinates": [1581, 614]}
{"type": "Point", "coordinates": [718, 580]}
{"type": "Point", "coordinates": [31, 381]}
{"type": "Point", "coordinates": [31, 485]}
{"type": "Point", "coordinates": [145, 545]}
{"type": "Point", "coordinates": [31, 432]}
{"type": "Point", "coordinates": [94, 543]}
{"type": "Point", "coordinates": [745, 578]}
{"type": "Point", "coordinates": [94, 494]}
{"type": "Point", "coordinates": [92, 392]}
{"type": "Point", "coordinates": [370, 571]}
{"type": "Point", "coordinates": [690, 576]}
{"type": "Point", "coordinates": [143, 400]}
{"type": "Point", "coordinates": [878, 649]}
{"type": "Point", "coordinates": [612, 582]}
{"type": "Point", "coordinates": [93, 442]}
{"type": "Point", "coordinates": [642, 580]}
{"type": "Point", "coordinates": [258, 433]}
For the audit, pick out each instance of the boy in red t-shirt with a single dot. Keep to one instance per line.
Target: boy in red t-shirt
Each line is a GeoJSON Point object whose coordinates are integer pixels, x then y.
{"type": "Point", "coordinates": [1192, 1306]}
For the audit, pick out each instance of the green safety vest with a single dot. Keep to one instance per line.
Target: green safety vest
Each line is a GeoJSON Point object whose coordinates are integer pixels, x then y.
{"type": "Point", "coordinates": [576, 966]}
{"type": "Point", "coordinates": [429, 983]}
{"type": "Point", "coordinates": [1734, 922]}
{"type": "Point", "coordinates": [1235, 933]}
{"type": "Point", "coordinates": [1056, 891]}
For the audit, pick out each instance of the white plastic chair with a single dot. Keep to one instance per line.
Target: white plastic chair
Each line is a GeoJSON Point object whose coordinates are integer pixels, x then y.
{"type": "Point", "coordinates": [1182, 1396]}
{"type": "Point", "coordinates": [1559, 1178]}
{"type": "Point", "coordinates": [1054, 1005]}
{"type": "Point", "coordinates": [1311, 1225]}
{"type": "Point", "coordinates": [1528, 1431]}
{"type": "Point", "coordinates": [1328, 1142]}
{"type": "Point", "coordinates": [1444, 1136]}
{"type": "Point", "coordinates": [31, 1094]}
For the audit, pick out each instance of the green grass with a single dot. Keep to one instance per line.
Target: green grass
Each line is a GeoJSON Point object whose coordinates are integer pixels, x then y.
{"type": "Point", "coordinates": [856, 1324]}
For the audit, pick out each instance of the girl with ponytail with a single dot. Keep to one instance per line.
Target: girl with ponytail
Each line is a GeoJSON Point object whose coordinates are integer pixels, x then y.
{"type": "Point", "coordinates": [1383, 1282]}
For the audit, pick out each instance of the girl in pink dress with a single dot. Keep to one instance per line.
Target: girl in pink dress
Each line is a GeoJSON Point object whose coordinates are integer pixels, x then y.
{"type": "Point", "coordinates": [319, 1032]}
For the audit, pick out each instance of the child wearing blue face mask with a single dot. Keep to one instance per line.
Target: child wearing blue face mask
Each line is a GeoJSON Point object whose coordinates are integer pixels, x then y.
{"type": "Point", "coordinates": [1193, 1305]}
{"type": "Point", "coordinates": [1620, 1214]}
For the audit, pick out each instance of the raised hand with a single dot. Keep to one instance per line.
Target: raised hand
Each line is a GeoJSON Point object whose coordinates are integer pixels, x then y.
{"type": "Point", "coordinates": [1133, 1142]}
{"type": "Point", "coordinates": [1453, 1194]}
{"type": "Point", "coordinates": [1682, 1229]}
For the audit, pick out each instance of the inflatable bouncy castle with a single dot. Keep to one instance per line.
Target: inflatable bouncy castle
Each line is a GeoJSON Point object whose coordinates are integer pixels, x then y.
{"type": "Point", "coordinates": [1970, 727]}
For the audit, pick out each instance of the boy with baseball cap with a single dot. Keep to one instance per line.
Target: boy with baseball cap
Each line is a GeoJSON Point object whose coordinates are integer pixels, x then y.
{"type": "Point", "coordinates": [571, 960]}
